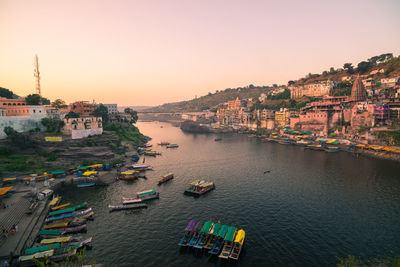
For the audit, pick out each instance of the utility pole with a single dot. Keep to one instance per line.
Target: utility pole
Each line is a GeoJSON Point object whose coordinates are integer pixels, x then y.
{"type": "Point", "coordinates": [37, 76]}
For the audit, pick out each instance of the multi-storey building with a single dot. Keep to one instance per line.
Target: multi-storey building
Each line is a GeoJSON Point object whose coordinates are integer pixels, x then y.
{"type": "Point", "coordinates": [321, 88]}
{"type": "Point", "coordinates": [84, 108]}
{"type": "Point", "coordinates": [112, 108]}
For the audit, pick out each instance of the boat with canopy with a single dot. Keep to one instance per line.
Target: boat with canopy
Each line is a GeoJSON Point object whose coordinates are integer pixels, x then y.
{"type": "Point", "coordinates": [203, 234]}
{"type": "Point", "coordinates": [212, 236]}
{"type": "Point", "coordinates": [216, 249]}
{"type": "Point", "coordinates": [188, 233]}
{"type": "Point", "coordinates": [237, 245]}
{"type": "Point", "coordinates": [166, 178]}
{"type": "Point", "coordinates": [72, 209]}
{"type": "Point", "coordinates": [228, 243]}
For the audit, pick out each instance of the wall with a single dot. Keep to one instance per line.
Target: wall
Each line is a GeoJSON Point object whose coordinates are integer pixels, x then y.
{"type": "Point", "coordinates": [20, 124]}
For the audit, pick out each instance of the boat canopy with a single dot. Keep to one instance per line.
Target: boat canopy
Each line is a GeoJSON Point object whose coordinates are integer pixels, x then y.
{"type": "Point", "coordinates": [60, 206]}
{"type": "Point", "coordinates": [55, 225]}
{"type": "Point", "coordinates": [222, 231]}
{"type": "Point", "coordinates": [206, 184]}
{"type": "Point", "coordinates": [34, 250]}
{"type": "Point", "coordinates": [96, 166]}
{"type": "Point", "coordinates": [50, 232]}
{"type": "Point", "coordinates": [56, 240]}
{"type": "Point", "coordinates": [195, 182]}
{"type": "Point", "coordinates": [215, 229]}
{"type": "Point", "coordinates": [240, 236]}
{"type": "Point", "coordinates": [206, 227]}
{"type": "Point", "coordinates": [190, 226]}
{"type": "Point", "coordinates": [38, 255]}
{"type": "Point", "coordinates": [4, 190]}
{"type": "Point", "coordinates": [58, 172]}
{"type": "Point", "coordinates": [88, 173]}
{"type": "Point", "coordinates": [168, 174]}
{"type": "Point", "coordinates": [83, 167]}
{"type": "Point", "coordinates": [10, 179]}
{"type": "Point", "coordinates": [148, 192]}
{"type": "Point", "coordinates": [62, 211]}
{"type": "Point", "coordinates": [128, 173]}
{"type": "Point", "coordinates": [231, 233]}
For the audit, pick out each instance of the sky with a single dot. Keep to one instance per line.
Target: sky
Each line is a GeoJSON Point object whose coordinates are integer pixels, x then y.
{"type": "Point", "coordinates": [153, 52]}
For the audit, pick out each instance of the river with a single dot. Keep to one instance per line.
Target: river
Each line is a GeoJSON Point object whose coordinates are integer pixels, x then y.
{"type": "Point", "coordinates": [311, 208]}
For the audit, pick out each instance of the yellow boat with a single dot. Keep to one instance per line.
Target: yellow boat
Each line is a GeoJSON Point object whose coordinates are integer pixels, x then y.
{"type": "Point", "coordinates": [88, 173]}
{"type": "Point", "coordinates": [56, 240]}
{"type": "Point", "coordinates": [60, 206]}
{"type": "Point", "coordinates": [54, 201]}
{"type": "Point", "coordinates": [96, 166]}
{"type": "Point", "coordinates": [14, 179]}
{"type": "Point", "coordinates": [4, 190]}
{"type": "Point", "coordinates": [56, 225]}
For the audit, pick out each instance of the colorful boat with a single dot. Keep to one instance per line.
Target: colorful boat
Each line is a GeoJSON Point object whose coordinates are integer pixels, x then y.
{"type": "Point", "coordinates": [72, 209]}
{"type": "Point", "coordinates": [50, 233]}
{"type": "Point", "coordinates": [152, 153]}
{"type": "Point", "coordinates": [196, 235]}
{"type": "Point", "coordinates": [141, 167]}
{"type": "Point", "coordinates": [56, 240]}
{"type": "Point", "coordinates": [237, 245]}
{"type": "Point", "coordinates": [76, 229]}
{"type": "Point", "coordinates": [127, 201]}
{"type": "Point", "coordinates": [146, 195]}
{"type": "Point", "coordinates": [34, 250]}
{"type": "Point", "coordinates": [166, 178]}
{"type": "Point", "coordinates": [164, 143]}
{"type": "Point", "coordinates": [61, 206]}
{"type": "Point", "coordinates": [188, 233]}
{"type": "Point", "coordinates": [203, 234]}
{"type": "Point", "coordinates": [172, 146]}
{"type": "Point", "coordinates": [198, 188]}
{"type": "Point", "coordinates": [54, 201]}
{"type": "Point", "coordinates": [219, 243]}
{"type": "Point", "coordinates": [228, 243]}
{"type": "Point", "coordinates": [212, 236]}
{"type": "Point", "coordinates": [128, 176]}
{"type": "Point", "coordinates": [55, 225]}
{"type": "Point", "coordinates": [37, 255]}
{"type": "Point", "coordinates": [89, 184]}
{"type": "Point", "coordinates": [127, 207]}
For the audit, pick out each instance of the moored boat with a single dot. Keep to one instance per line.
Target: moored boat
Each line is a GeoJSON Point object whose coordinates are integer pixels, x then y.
{"type": "Point", "coordinates": [196, 235]}
{"type": "Point", "coordinates": [218, 139]}
{"type": "Point", "coordinates": [76, 229]}
{"type": "Point", "coordinates": [172, 146]}
{"type": "Point", "coordinates": [199, 188]}
{"type": "Point", "coordinates": [61, 206]}
{"type": "Point", "coordinates": [203, 234]}
{"type": "Point", "coordinates": [141, 167]}
{"type": "Point", "coordinates": [164, 143]}
{"type": "Point", "coordinates": [212, 236]}
{"type": "Point", "coordinates": [128, 176]}
{"type": "Point", "coordinates": [68, 210]}
{"type": "Point", "coordinates": [228, 243]}
{"type": "Point", "coordinates": [216, 249]}
{"type": "Point", "coordinates": [166, 178]}
{"type": "Point", "coordinates": [147, 195]}
{"type": "Point", "coordinates": [89, 184]}
{"type": "Point", "coordinates": [188, 233]}
{"type": "Point", "coordinates": [237, 245]}
{"type": "Point", "coordinates": [127, 207]}
{"type": "Point", "coordinates": [127, 201]}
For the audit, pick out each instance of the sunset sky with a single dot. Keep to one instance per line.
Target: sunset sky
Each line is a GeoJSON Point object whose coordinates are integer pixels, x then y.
{"type": "Point", "coordinates": [153, 52]}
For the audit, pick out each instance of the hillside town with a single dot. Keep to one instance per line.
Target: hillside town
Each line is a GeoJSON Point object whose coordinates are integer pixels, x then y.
{"type": "Point", "coordinates": [369, 115]}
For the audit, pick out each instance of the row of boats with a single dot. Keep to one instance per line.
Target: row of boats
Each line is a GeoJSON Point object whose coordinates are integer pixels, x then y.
{"type": "Point", "coordinates": [57, 241]}
{"type": "Point", "coordinates": [223, 241]}
{"type": "Point", "coordinates": [323, 146]}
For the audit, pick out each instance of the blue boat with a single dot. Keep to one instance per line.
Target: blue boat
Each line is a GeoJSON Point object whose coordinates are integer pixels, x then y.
{"type": "Point", "coordinates": [203, 234]}
{"type": "Point", "coordinates": [86, 184]}
{"type": "Point", "coordinates": [216, 249]}
{"type": "Point", "coordinates": [195, 236]}
{"type": "Point", "coordinates": [188, 234]}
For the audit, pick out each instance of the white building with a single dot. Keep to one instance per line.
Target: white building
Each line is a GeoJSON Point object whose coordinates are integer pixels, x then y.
{"type": "Point", "coordinates": [112, 108]}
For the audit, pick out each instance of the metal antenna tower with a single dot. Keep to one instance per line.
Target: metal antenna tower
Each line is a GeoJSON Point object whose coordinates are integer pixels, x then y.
{"type": "Point", "coordinates": [37, 76]}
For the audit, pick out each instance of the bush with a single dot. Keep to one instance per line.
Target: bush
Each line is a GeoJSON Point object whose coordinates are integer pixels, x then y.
{"type": "Point", "coordinates": [4, 151]}
{"type": "Point", "coordinates": [20, 140]}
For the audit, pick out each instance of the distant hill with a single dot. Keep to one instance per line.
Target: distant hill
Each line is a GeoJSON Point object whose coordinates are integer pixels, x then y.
{"type": "Point", "coordinates": [212, 99]}
{"type": "Point", "coordinates": [389, 65]}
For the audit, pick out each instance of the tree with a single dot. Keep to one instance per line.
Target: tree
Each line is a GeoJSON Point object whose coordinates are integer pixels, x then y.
{"type": "Point", "coordinates": [349, 68]}
{"type": "Point", "coordinates": [325, 72]}
{"type": "Point", "coordinates": [373, 60]}
{"type": "Point", "coordinates": [17, 139]}
{"type": "Point", "coordinates": [275, 85]}
{"type": "Point", "coordinates": [52, 126]}
{"type": "Point", "coordinates": [6, 93]}
{"type": "Point", "coordinates": [34, 100]}
{"type": "Point", "coordinates": [332, 70]}
{"type": "Point", "coordinates": [364, 66]}
{"type": "Point", "coordinates": [101, 111]}
{"type": "Point", "coordinates": [251, 86]}
{"type": "Point", "coordinates": [132, 113]}
{"type": "Point", "coordinates": [59, 103]}
{"type": "Point", "coordinates": [290, 82]}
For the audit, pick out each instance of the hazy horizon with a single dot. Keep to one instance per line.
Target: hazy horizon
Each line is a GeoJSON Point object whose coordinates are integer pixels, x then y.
{"type": "Point", "coordinates": [146, 53]}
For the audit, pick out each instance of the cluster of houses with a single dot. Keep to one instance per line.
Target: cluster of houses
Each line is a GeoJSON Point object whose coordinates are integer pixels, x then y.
{"type": "Point", "coordinates": [352, 117]}
{"type": "Point", "coordinates": [78, 119]}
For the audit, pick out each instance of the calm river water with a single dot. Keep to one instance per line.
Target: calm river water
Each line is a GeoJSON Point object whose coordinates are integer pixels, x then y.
{"type": "Point", "coordinates": [311, 207]}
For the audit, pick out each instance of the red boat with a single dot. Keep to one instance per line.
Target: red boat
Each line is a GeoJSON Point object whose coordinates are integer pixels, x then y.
{"type": "Point", "coordinates": [129, 176]}
{"type": "Point", "coordinates": [166, 178]}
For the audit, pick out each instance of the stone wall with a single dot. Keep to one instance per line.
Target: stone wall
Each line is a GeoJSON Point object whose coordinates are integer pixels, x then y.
{"type": "Point", "coordinates": [20, 124]}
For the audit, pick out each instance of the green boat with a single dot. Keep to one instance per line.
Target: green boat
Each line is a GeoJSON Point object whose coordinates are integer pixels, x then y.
{"type": "Point", "coordinates": [228, 243]}
{"type": "Point", "coordinates": [34, 250]}
{"type": "Point", "coordinates": [50, 232]}
{"type": "Point", "coordinates": [212, 236]}
{"type": "Point", "coordinates": [219, 242]}
{"type": "Point", "coordinates": [72, 209]}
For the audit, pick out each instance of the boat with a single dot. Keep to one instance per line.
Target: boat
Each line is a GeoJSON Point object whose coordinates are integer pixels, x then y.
{"type": "Point", "coordinates": [198, 188]}
{"type": "Point", "coordinates": [195, 236]}
{"type": "Point", "coordinates": [218, 139]}
{"type": "Point", "coordinates": [188, 233]}
{"type": "Point", "coordinates": [73, 214]}
{"type": "Point", "coordinates": [152, 153]}
{"type": "Point", "coordinates": [141, 167]}
{"type": "Point", "coordinates": [127, 201]}
{"type": "Point", "coordinates": [219, 243]}
{"type": "Point", "coordinates": [61, 206]}
{"type": "Point", "coordinates": [228, 243]}
{"type": "Point", "coordinates": [89, 184]}
{"type": "Point", "coordinates": [135, 157]}
{"type": "Point", "coordinates": [212, 236]}
{"type": "Point", "coordinates": [164, 143]}
{"type": "Point", "coordinates": [50, 233]}
{"type": "Point", "coordinates": [203, 234]}
{"type": "Point", "coordinates": [315, 147]}
{"type": "Point", "coordinates": [127, 207]}
{"type": "Point", "coordinates": [76, 229]}
{"type": "Point", "coordinates": [55, 225]}
{"type": "Point", "coordinates": [166, 178]}
{"type": "Point", "coordinates": [172, 146]}
{"type": "Point", "coordinates": [128, 176]}
{"type": "Point", "coordinates": [72, 209]}
{"type": "Point", "coordinates": [54, 201]}
{"type": "Point", "coordinates": [332, 149]}
{"type": "Point", "coordinates": [145, 195]}
{"type": "Point", "coordinates": [237, 245]}
{"type": "Point", "coordinates": [284, 142]}
{"type": "Point", "coordinates": [63, 239]}
{"type": "Point", "coordinates": [37, 255]}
